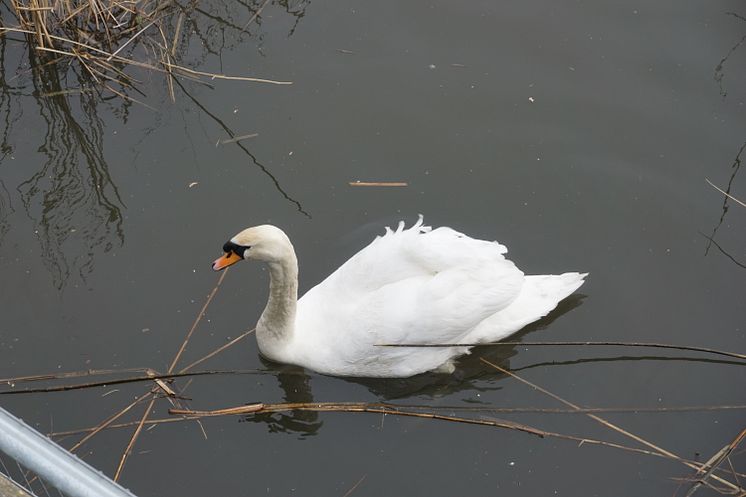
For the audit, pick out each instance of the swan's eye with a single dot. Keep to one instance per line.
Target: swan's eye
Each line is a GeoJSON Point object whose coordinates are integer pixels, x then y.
{"type": "Point", "coordinates": [237, 249]}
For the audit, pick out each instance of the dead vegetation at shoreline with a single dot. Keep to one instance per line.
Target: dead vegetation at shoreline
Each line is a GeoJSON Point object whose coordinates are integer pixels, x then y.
{"type": "Point", "coordinates": [104, 40]}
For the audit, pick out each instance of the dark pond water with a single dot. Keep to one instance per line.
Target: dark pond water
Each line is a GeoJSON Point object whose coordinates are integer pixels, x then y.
{"type": "Point", "coordinates": [580, 134]}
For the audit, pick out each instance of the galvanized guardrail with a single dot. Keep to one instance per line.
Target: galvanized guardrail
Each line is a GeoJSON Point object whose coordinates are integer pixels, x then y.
{"type": "Point", "coordinates": [56, 466]}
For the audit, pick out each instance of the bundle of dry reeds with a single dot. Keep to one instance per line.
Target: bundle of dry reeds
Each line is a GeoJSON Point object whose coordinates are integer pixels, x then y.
{"type": "Point", "coordinates": [94, 34]}
{"type": "Point", "coordinates": [104, 37]}
{"type": "Point", "coordinates": [90, 23]}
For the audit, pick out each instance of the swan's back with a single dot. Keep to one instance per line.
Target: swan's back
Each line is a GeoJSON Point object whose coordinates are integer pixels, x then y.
{"type": "Point", "coordinates": [405, 253]}
{"type": "Point", "coordinates": [415, 285]}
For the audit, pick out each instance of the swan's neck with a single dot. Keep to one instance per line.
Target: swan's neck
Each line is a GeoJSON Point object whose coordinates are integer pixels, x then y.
{"type": "Point", "coordinates": [276, 326]}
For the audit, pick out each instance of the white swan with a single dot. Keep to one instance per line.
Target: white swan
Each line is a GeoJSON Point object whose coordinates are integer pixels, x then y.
{"type": "Point", "coordinates": [415, 285]}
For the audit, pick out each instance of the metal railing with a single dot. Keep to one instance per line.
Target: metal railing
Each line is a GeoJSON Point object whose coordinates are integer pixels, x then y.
{"type": "Point", "coordinates": [55, 466]}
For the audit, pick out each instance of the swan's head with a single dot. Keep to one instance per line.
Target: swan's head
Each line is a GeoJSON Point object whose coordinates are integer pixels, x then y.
{"type": "Point", "coordinates": [263, 243]}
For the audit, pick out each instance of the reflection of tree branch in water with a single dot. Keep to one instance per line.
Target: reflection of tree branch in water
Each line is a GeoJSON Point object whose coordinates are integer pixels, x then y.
{"type": "Point", "coordinates": [227, 24]}
{"type": "Point", "coordinates": [717, 245]}
{"type": "Point", "coordinates": [77, 199]}
{"type": "Point", "coordinates": [6, 99]}
{"type": "Point", "coordinates": [719, 74]}
{"type": "Point", "coordinates": [232, 134]}
{"type": "Point", "coordinates": [298, 11]}
{"type": "Point", "coordinates": [6, 209]}
{"type": "Point", "coordinates": [736, 166]}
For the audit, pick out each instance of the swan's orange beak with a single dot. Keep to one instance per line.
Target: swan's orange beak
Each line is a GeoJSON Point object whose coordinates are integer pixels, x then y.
{"type": "Point", "coordinates": [223, 262]}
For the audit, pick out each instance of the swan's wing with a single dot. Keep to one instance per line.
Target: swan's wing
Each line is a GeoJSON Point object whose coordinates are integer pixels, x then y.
{"type": "Point", "coordinates": [404, 253]}
{"type": "Point", "coordinates": [411, 286]}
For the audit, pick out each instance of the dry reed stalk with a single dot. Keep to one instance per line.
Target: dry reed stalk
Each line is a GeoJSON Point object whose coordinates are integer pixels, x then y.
{"type": "Point", "coordinates": [218, 350]}
{"type": "Point", "coordinates": [354, 487]}
{"type": "Point", "coordinates": [691, 464]}
{"type": "Point", "coordinates": [130, 40]}
{"type": "Point", "coordinates": [154, 376]}
{"type": "Point", "coordinates": [725, 193]}
{"type": "Point", "coordinates": [353, 407]}
{"type": "Point", "coordinates": [378, 183]}
{"type": "Point", "coordinates": [256, 15]}
{"type": "Point", "coordinates": [177, 33]}
{"type": "Point", "coordinates": [709, 467]}
{"type": "Point", "coordinates": [236, 139]}
{"type": "Point", "coordinates": [166, 60]}
{"type": "Point", "coordinates": [325, 407]}
{"type": "Point", "coordinates": [133, 439]}
{"type": "Point", "coordinates": [223, 76]}
{"type": "Point", "coordinates": [197, 321]}
{"type": "Point", "coordinates": [71, 374]}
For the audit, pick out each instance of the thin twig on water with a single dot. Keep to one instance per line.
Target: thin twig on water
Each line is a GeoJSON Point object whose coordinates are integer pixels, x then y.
{"type": "Point", "coordinates": [354, 487]}
{"type": "Point", "coordinates": [70, 374]}
{"type": "Point", "coordinates": [573, 344]}
{"type": "Point", "coordinates": [236, 139]}
{"type": "Point", "coordinates": [133, 379]}
{"type": "Point", "coordinates": [378, 183]}
{"type": "Point", "coordinates": [483, 409]}
{"type": "Point", "coordinates": [352, 407]}
{"type": "Point", "coordinates": [133, 439]}
{"type": "Point", "coordinates": [256, 15]}
{"type": "Point", "coordinates": [196, 321]}
{"type": "Point", "coordinates": [725, 193]}
{"type": "Point", "coordinates": [224, 76]}
{"type": "Point", "coordinates": [218, 350]}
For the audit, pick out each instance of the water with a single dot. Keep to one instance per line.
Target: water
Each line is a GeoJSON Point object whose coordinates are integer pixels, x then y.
{"type": "Point", "coordinates": [578, 134]}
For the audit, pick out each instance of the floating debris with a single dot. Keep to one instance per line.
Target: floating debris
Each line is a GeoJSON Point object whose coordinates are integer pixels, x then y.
{"type": "Point", "coordinates": [378, 183]}
{"type": "Point", "coordinates": [236, 139]}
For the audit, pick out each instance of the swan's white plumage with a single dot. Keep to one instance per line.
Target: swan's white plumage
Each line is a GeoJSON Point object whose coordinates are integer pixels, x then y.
{"type": "Point", "coordinates": [415, 285]}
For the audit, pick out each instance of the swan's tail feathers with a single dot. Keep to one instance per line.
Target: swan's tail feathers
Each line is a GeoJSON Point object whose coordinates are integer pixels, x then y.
{"type": "Point", "coordinates": [539, 295]}
{"type": "Point", "coordinates": [552, 288]}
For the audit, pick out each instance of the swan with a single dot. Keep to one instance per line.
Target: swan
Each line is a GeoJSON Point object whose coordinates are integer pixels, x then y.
{"type": "Point", "coordinates": [410, 286]}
